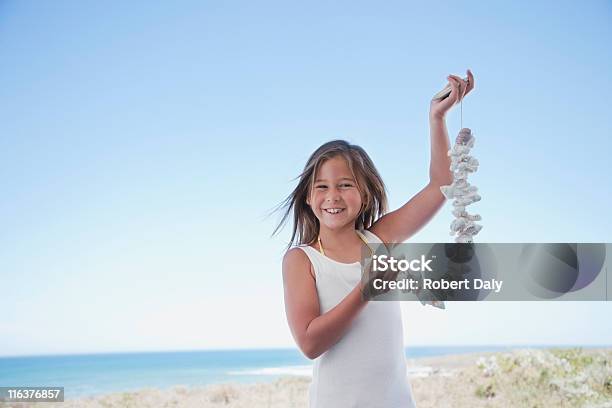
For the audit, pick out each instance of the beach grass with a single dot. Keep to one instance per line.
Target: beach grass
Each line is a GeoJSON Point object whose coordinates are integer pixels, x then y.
{"type": "Point", "coordinates": [559, 377]}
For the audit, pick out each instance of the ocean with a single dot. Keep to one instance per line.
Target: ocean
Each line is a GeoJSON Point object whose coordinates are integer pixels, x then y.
{"type": "Point", "coordinates": [93, 374]}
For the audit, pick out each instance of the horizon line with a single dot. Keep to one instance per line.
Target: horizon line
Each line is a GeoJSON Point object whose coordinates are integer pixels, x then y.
{"type": "Point", "coordinates": [95, 353]}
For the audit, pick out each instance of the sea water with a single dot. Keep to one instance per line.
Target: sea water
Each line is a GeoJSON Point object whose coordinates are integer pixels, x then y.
{"type": "Point", "coordinates": [93, 374]}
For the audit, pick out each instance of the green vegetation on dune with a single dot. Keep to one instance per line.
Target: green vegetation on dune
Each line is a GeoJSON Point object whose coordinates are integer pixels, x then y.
{"type": "Point", "coordinates": [555, 377]}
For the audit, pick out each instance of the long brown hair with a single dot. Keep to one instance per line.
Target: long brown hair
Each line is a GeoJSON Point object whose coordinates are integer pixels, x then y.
{"type": "Point", "coordinates": [369, 183]}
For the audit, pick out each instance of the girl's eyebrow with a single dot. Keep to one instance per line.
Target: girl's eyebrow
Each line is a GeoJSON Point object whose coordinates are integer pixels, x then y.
{"type": "Point", "coordinates": [343, 178]}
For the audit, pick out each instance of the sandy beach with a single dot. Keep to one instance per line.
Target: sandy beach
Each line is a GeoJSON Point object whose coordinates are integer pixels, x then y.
{"type": "Point", "coordinates": [519, 378]}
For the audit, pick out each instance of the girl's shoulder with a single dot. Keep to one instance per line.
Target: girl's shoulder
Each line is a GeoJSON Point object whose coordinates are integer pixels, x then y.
{"type": "Point", "coordinates": [297, 258]}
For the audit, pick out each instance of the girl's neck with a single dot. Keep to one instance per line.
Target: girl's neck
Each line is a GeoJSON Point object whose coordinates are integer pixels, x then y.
{"type": "Point", "coordinates": [336, 239]}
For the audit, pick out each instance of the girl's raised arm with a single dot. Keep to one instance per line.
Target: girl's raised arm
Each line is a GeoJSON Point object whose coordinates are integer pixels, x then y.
{"type": "Point", "coordinates": [314, 333]}
{"type": "Point", "coordinates": [399, 225]}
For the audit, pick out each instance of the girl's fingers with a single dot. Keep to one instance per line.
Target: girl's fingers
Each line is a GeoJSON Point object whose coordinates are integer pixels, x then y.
{"type": "Point", "coordinates": [460, 88]}
{"type": "Point", "coordinates": [470, 81]}
{"type": "Point", "coordinates": [451, 96]}
{"type": "Point", "coordinates": [450, 100]}
{"type": "Point", "coordinates": [455, 93]}
{"type": "Point", "coordinates": [463, 86]}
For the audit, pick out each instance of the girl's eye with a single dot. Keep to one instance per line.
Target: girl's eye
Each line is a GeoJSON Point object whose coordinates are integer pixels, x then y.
{"type": "Point", "coordinates": [341, 185]}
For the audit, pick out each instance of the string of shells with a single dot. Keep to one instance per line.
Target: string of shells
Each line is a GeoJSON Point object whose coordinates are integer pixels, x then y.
{"type": "Point", "coordinates": [463, 193]}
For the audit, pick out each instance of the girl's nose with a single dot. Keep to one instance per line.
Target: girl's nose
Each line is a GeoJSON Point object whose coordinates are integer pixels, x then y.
{"type": "Point", "coordinates": [333, 196]}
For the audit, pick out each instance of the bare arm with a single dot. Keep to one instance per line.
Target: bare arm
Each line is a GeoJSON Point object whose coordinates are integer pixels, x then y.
{"type": "Point", "coordinates": [439, 166]}
{"type": "Point", "coordinates": [399, 225]}
{"type": "Point", "coordinates": [314, 333]}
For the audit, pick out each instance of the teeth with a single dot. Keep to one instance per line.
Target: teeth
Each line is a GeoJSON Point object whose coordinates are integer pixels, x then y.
{"type": "Point", "coordinates": [334, 210]}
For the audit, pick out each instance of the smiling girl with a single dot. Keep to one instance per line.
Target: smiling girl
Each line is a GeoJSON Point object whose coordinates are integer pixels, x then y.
{"type": "Point", "coordinates": [339, 204]}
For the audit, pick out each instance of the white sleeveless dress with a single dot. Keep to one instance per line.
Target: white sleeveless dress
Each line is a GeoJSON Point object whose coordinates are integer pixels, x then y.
{"type": "Point", "coordinates": [367, 367]}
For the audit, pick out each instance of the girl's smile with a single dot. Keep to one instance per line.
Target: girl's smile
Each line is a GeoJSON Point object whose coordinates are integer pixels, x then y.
{"type": "Point", "coordinates": [333, 210]}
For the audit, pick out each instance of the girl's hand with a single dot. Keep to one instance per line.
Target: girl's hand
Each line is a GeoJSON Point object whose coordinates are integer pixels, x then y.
{"type": "Point", "coordinates": [368, 290]}
{"type": "Point", "coordinates": [459, 88]}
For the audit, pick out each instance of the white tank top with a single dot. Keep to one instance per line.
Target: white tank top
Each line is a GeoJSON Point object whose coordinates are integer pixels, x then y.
{"type": "Point", "coordinates": [367, 367]}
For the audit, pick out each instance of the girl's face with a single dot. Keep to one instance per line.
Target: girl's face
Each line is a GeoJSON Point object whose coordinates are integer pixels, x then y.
{"type": "Point", "coordinates": [335, 199]}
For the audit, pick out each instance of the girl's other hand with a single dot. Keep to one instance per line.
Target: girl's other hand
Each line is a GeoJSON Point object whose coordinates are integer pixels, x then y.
{"type": "Point", "coordinates": [368, 290]}
{"type": "Point", "coordinates": [459, 89]}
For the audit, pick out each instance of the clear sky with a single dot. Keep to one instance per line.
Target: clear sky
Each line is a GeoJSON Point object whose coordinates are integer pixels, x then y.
{"type": "Point", "coordinates": [143, 143]}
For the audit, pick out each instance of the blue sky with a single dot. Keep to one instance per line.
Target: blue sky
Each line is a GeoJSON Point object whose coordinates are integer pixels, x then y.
{"type": "Point", "coordinates": [143, 143]}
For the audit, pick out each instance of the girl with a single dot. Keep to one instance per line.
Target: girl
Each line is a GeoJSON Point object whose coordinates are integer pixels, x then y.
{"type": "Point", "coordinates": [340, 202]}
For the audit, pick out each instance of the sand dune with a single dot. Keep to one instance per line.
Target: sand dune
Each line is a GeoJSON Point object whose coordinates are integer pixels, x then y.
{"type": "Point", "coordinates": [520, 378]}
